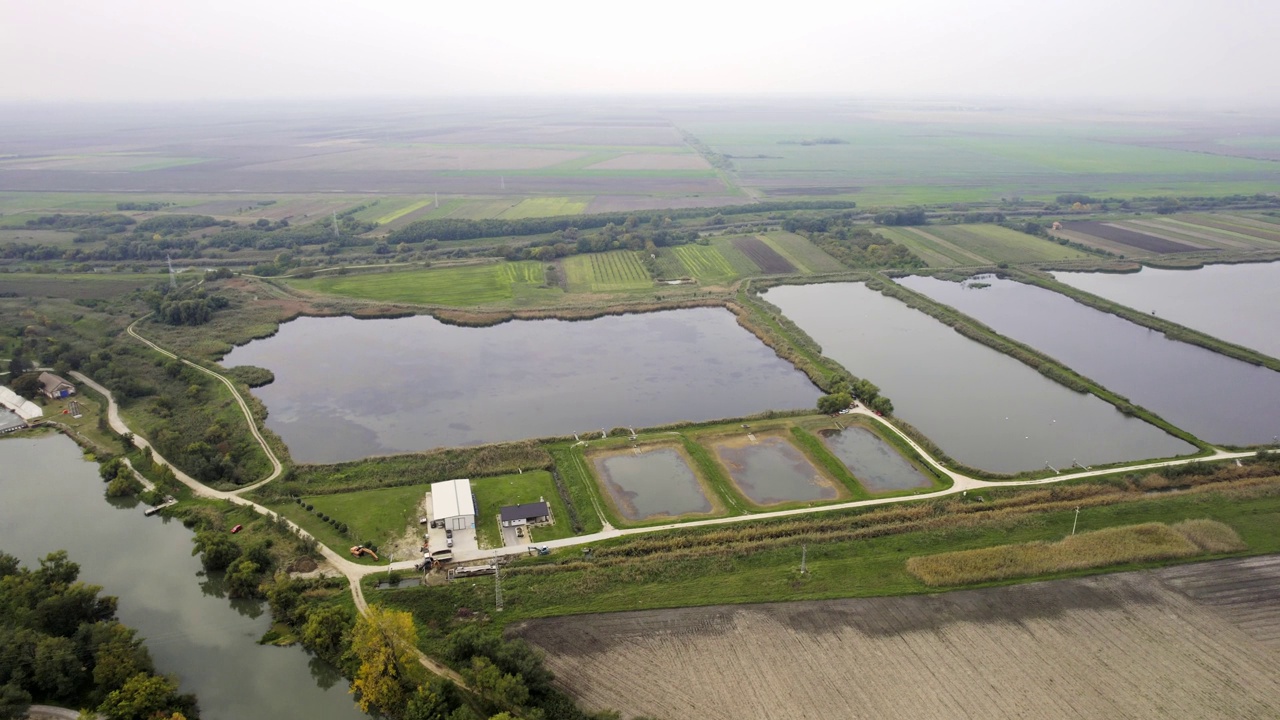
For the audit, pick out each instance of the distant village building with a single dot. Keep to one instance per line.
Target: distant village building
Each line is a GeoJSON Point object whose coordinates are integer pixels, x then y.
{"type": "Point", "coordinates": [527, 514]}
{"type": "Point", "coordinates": [453, 504]}
{"type": "Point", "coordinates": [1057, 225]}
{"type": "Point", "coordinates": [55, 387]}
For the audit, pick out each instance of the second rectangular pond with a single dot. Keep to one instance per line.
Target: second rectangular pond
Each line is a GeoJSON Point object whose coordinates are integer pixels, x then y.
{"type": "Point", "coordinates": [769, 470]}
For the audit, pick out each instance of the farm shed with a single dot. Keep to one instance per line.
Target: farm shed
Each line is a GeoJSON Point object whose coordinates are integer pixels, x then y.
{"type": "Point", "coordinates": [527, 514]}
{"type": "Point", "coordinates": [22, 407]}
{"type": "Point", "coordinates": [453, 504]}
{"type": "Point", "coordinates": [55, 387]}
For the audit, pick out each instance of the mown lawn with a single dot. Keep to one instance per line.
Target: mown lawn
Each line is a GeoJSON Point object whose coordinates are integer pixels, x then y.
{"type": "Point", "coordinates": [494, 493]}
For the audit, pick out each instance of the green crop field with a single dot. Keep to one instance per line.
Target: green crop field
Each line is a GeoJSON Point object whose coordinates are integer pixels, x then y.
{"type": "Point", "coordinates": [392, 209]}
{"type": "Point", "coordinates": [545, 207]}
{"type": "Point", "coordinates": [999, 244]}
{"type": "Point", "coordinates": [614, 271]}
{"type": "Point", "coordinates": [494, 493]}
{"type": "Point", "coordinates": [740, 263]}
{"type": "Point", "coordinates": [807, 257]}
{"type": "Point", "coordinates": [462, 286]}
{"type": "Point", "coordinates": [933, 250]}
{"type": "Point", "coordinates": [703, 262]}
{"type": "Point", "coordinates": [374, 515]}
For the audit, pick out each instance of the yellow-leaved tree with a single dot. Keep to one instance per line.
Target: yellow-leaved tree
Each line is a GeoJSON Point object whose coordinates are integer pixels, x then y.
{"type": "Point", "coordinates": [384, 641]}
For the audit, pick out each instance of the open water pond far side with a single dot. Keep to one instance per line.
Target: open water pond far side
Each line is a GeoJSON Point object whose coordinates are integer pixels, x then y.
{"type": "Point", "coordinates": [981, 407]}
{"type": "Point", "coordinates": [51, 498]}
{"type": "Point", "coordinates": [874, 462]}
{"type": "Point", "coordinates": [1237, 303]}
{"type": "Point", "coordinates": [769, 470]}
{"type": "Point", "coordinates": [1216, 398]}
{"type": "Point", "coordinates": [346, 389]}
{"type": "Point", "coordinates": [650, 483]}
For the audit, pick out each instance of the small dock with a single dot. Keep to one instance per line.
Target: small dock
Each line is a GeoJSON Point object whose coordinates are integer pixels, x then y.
{"type": "Point", "coordinates": [168, 502]}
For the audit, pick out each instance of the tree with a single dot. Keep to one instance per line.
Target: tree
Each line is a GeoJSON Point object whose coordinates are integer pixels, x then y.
{"type": "Point", "coordinates": [57, 671]}
{"type": "Point", "coordinates": [217, 550]}
{"type": "Point", "coordinates": [242, 578]}
{"type": "Point", "coordinates": [834, 403]}
{"type": "Point", "coordinates": [503, 691]}
{"type": "Point", "coordinates": [881, 405]}
{"type": "Point", "coordinates": [382, 641]}
{"type": "Point", "coordinates": [143, 697]}
{"type": "Point", "coordinates": [28, 385]}
{"type": "Point", "coordinates": [14, 702]}
{"type": "Point", "coordinates": [325, 631]}
{"type": "Point", "coordinates": [433, 701]}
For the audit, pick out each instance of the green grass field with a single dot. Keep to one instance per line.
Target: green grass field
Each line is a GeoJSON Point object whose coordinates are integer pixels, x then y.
{"type": "Point", "coordinates": [545, 207]}
{"type": "Point", "coordinates": [807, 257]}
{"type": "Point", "coordinates": [999, 244]}
{"type": "Point", "coordinates": [935, 254]}
{"type": "Point", "coordinates": [461, 286]}
{"type": "Point", "coordinates": [373, 515]}
{"type": "Point", "coordinates": [705, 263]}
{"type": "Point", "coordinates": [614, 271]}
{"type": "Point", "coordinates": [494, 493]}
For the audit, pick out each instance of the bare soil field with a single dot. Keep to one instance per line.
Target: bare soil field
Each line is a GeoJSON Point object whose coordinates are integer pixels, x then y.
{"type": "Point", "coordinates": [765, 257]}
{"type": "Point", "coordinates": [1124, 236]}
{"type": "Point", "coordinates": [1190, 641]}
{"type": "Point", "coordinates": [653, 161]}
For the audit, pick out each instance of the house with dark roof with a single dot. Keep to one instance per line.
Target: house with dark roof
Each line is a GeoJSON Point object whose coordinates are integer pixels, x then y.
{"type": "Point", "coordinates": [527, 514]}
{"type": "Point", "coordinates": [55, 387]}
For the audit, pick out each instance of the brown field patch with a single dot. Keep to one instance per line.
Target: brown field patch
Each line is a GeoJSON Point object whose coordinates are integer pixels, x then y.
{"type": "Point", "coordinates": [765, 257]}
{"type": "Point", "coordinates": [1128, 237]}
{"type": "Point", "coordinates": [653, 161]}
{"type": "Point", "coordinates": [1178, 642]}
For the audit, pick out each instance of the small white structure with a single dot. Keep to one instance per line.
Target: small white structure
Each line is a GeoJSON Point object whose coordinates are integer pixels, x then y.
{"type": "Point", "coordinates": [453, 504]}
{"type": "Point", "coordinates": [22, 407]}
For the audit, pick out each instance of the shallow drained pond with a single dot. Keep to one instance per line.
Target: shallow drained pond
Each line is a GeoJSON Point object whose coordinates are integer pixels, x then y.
{"type": "Point", "coordinates": [876, 465]}
{"type": "Point", "coordinates": [650, 483]}
{"type": "Point", "coordinates": [770, 470]}
{"type": "Point", "coordinates": [346, 389]}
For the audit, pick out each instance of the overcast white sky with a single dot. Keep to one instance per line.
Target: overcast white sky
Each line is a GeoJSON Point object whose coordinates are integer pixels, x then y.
{"type": "Point", "coordinates": [1184, 50]}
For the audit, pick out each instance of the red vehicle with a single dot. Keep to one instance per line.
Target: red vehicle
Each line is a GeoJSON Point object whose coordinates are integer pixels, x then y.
{"type": "Point", "coordinates": [236, 529]}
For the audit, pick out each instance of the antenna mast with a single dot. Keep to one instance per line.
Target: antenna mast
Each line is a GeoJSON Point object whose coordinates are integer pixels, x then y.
{"type": "Point", "coordinates": [335, 224]}
{"type": "Point", "coordinates": [173, 277]}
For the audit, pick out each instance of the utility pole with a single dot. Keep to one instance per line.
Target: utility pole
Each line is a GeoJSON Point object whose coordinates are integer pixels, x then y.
{"type": "Point", "coordinates": [1075, 522]}
{"type": "Point", "coordinates": [804, 557]}
{"type": "Point", "coordinates": [497, 582]}
{"type": "Point", "coordinates": [335, 224]}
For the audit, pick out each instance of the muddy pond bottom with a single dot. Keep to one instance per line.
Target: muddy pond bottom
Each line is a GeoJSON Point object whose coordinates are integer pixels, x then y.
{"type": "Point", "coordinates": [769, 470]}
{"type": "Point", "coordinates": [650, 483]}
{"type": "Point", "coordinates": [876, 465]}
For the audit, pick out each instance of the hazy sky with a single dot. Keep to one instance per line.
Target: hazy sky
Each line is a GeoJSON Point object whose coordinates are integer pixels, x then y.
{"type": "Point", "coordinates": [215, 49]}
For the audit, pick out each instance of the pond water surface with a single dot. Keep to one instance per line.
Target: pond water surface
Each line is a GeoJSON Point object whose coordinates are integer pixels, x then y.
{"type": "Point", "coordinates": [1210, 395]}
{"type": "Point", "coordinates": [651, 482]}
{"type": "Point", "coordinates": [51, 499]}
{"type": "Point", "coordinates": [1237, 303]}
{"type": "Point", "coordinates": [983, 408]}
{"type": "Point", "coordinates": [876, 465]}
{"type": "Point", "coordinates": [771, 470]}
{"type": "Point", "coordinates": [347, 389]}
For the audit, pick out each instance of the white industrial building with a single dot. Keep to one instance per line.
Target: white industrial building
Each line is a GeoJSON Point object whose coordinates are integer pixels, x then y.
{"type": "Point", "coordinates": [29, 412]}
{"type": "Point", "coordinates": [453, 504]}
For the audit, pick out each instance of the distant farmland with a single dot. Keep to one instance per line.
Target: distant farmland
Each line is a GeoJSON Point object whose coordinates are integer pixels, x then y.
{"type": "Point", "coordinates": [451, 286]}
{"type": "Point", "coordinates": [1177, 234]}
{"type": "Point", "coordinates": [976, 244]}
{"type": "Point", "coordinates": [618, 270]}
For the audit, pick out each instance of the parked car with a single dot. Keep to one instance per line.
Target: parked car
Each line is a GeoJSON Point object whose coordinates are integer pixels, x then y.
{"type": "Point", "coordinates": [448, 542]}
{"type": "Point", "coordinates": [449, 533]}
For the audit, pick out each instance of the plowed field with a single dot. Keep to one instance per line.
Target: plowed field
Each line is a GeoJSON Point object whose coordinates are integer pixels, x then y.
{"type": "Point", "coordinates": [765, 257]}
{"type": "Point", "coordinates": [1125, 236]}
{"type": "Point", "coordinates": [1190, 641]}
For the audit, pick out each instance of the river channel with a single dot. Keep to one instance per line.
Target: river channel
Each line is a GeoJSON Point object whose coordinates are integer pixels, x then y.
{"type": "Point", "coordinates": [347, 389]}
{"type": "Point", "coordinates": [1237, 303]}
{"type": "Point", "coordinates": [52, 499]}
{"type": "Point", "coordinates": [1219, 399]}
{"type": "Point", "coordinates": [981, 407]}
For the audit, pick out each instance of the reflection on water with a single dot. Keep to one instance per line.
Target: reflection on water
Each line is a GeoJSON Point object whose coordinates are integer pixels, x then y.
{"type": "Point", "coordinates": [983, 408]}
{"type": "Point", "coordinates": [347, 388]}
{"type": "Point", "coordinates": [1210, 395]}
{"type": "Point", "coordinates": [651, 482]}
{"type": "Point", "coordinates": [51, 499]}
{"type": "Point", "coordinates": [770, 470]}
{"type": "Point", "coordinates": [876, 465]}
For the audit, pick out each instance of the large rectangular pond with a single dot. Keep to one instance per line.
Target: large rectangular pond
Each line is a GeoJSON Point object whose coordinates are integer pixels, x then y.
{"type": "Point", "coordinates": [1216, 398]}
{"type": "Point", "coordinates": [1237, 303]}
{"type": "Point", "coordinates": [651, 483]}
{"type": "Point", "coordinates": [769, 470]}
{"type": "Point", "coordinates": [983, 408]}
{"type": "Point", "coordinates": [347, 389]}
{"type": "Point", "coordinates": [876, 465]}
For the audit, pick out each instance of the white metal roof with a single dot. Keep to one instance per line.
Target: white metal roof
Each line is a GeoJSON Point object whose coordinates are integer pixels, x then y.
{"type": "Point", "coordinates": [452, 498]}
{"type": "Point", "coordinates": [25, 409]}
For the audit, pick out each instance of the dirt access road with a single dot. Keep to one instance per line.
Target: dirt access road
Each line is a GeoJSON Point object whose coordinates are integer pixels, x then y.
{"type": "Point", "coordinates": [1193, 641]}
